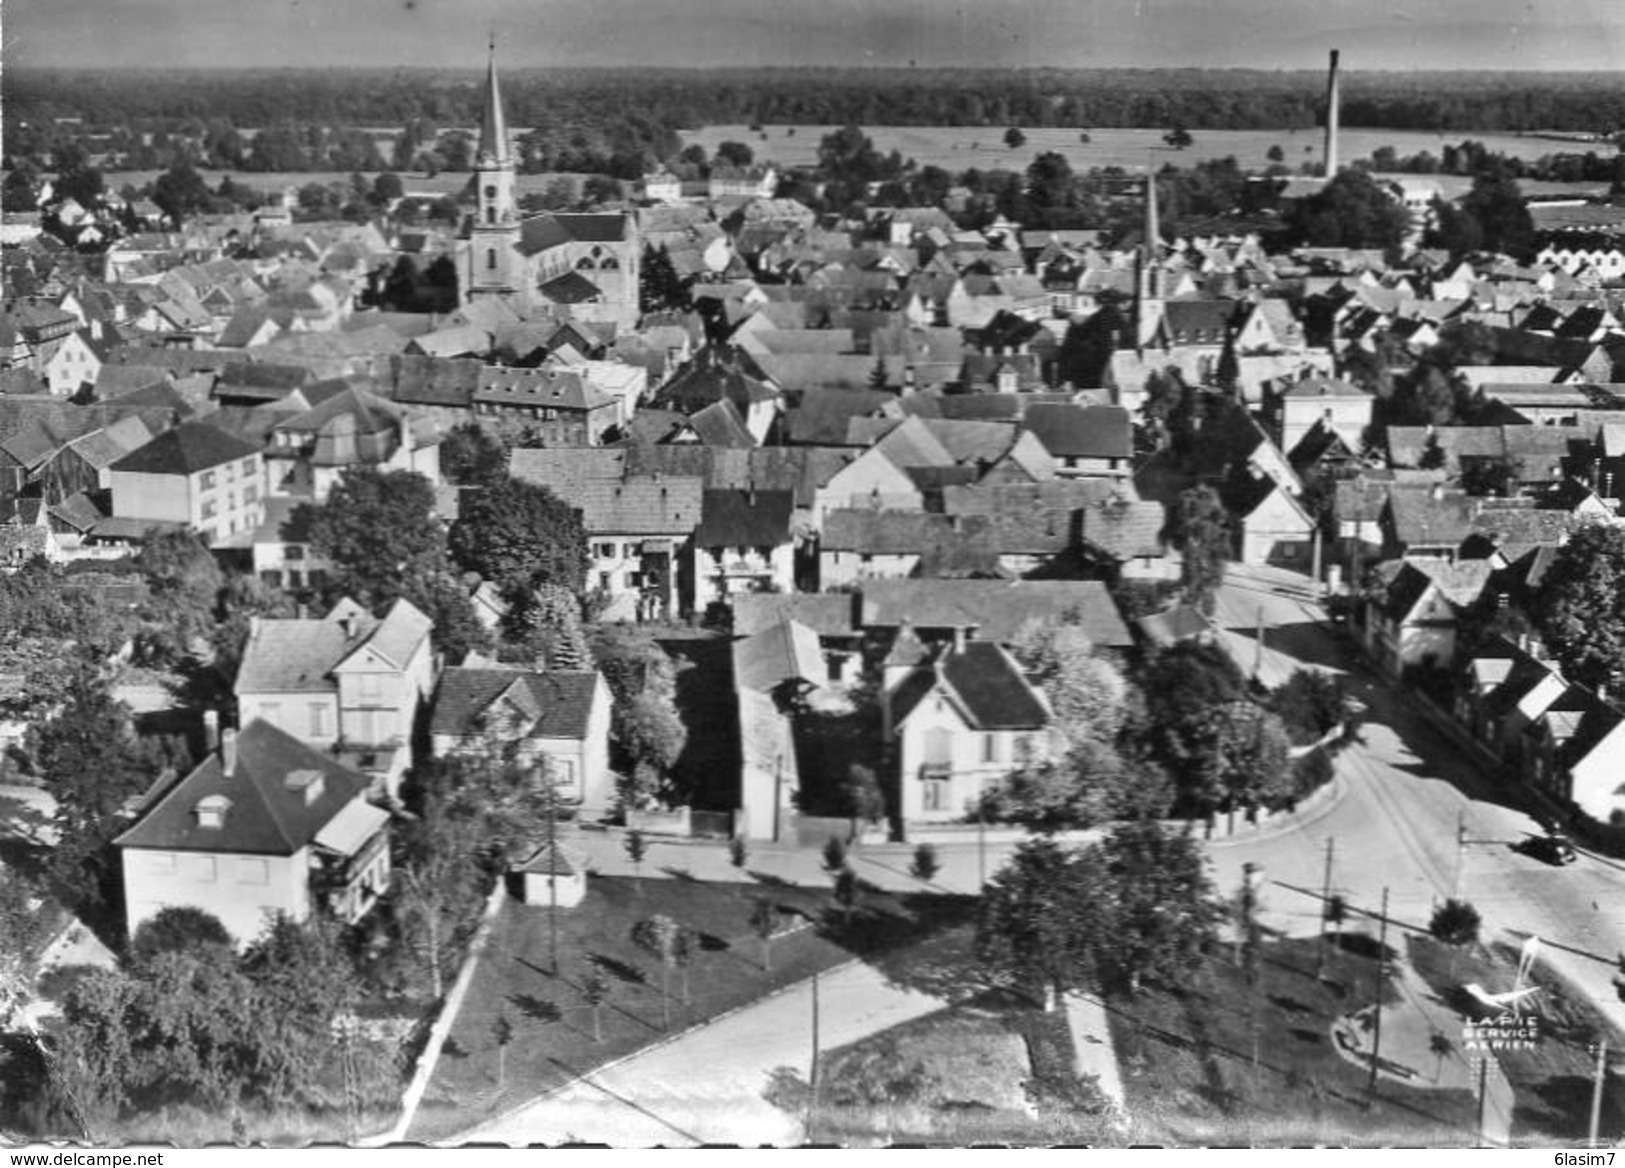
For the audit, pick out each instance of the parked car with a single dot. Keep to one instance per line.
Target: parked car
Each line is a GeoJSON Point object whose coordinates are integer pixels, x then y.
{"type": "Point", "coordinates": [1552, 849]}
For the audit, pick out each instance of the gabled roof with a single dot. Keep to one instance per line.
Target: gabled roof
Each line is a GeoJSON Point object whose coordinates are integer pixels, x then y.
{"type": "Point", "coordinates": [995, 609]}
{"type": "Point", "coordinates": [185, 450]}
{"type": "Point", "coordinates": [1082, 431]}
{"type": "Point", "coordinates": [748, 519]}
{"type": "Point", "coordinates": [555, 703]}
{"type": "Point", "coordinates": [266, 813]}
{"type": "Point", "coordinates": [786, 651]}
{"type": "Point", "coordinates": [987, 687]}
{"type": "Point", "coordinates": [827, 614]}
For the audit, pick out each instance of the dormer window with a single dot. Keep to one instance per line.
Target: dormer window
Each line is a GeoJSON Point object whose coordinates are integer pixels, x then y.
{"type": "Point", "coordinates": [308, 783]}
{"type": "Point", "coordinates": [211, 811]}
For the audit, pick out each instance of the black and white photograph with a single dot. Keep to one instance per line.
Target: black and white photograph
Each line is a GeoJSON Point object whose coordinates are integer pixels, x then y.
{"type": "Point", "coordinates": [848, 574]}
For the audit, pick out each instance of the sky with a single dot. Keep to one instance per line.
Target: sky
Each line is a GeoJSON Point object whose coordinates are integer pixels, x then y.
{"type": "Point", "coordinates": [1269, 34]}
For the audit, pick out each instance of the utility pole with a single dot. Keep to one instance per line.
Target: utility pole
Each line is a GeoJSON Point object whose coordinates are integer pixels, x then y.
{"type": "Point", "coordinates": [812, 1078]}
{"type": "Point", "coordinates": [552, 870]}
{"type": "Point", "coordinates": [1483, 1094]}
{"type": "Point", "coordinates": [1258, 654]}
{"type": "Point", "coordinates": [1382, 966]}
{"type": "Point", "coordinates": [1596, 1090]}
{"type": "Point", "coordinates": [1325, 901]}
{"type": "Point", "coordinates": [1461, 855]}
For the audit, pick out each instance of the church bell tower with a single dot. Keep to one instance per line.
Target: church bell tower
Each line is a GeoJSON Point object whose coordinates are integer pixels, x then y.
{"type": "Point", "coordinates": [493, 261]}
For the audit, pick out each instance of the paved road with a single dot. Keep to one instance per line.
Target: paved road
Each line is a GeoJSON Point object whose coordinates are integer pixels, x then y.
{"type": "Point", "coordinates": [1408, 788]}
{"type": "Point", "coordinates": [706, 1086]}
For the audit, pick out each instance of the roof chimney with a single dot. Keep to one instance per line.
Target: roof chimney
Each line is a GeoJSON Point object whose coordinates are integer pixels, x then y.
{"type": "Point", "coordinates": [228, 751]}
{"type": "Point", "coordinates": [1331, 118]}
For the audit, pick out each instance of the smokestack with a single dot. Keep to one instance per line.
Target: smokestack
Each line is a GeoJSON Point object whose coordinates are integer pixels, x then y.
{"type": "Point", "coordinates": [1331, 118]}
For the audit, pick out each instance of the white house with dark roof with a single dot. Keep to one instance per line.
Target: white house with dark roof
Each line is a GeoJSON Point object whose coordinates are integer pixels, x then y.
{"type": "Point", "coordinates": [960, 722]}
{"type": "Point", "coordinates": [743, 544]}
{"type": "Point", "coordinates": [196, 475]}
{"type": "Point", "coordinates": [309, 452]}
{"type": "Point", "coordinates": [266, 825]}
{"type": "Point", "coordinates": [350, 682]}
{"type": "Point", "coordinates": [561, 716]}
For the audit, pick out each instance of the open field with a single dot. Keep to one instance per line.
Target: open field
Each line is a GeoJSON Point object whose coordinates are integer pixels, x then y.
{"type": "Point", "coordinates": [958, 148]}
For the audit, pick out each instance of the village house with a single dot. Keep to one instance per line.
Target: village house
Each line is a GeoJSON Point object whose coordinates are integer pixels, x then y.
{"type": "Point", "coordinates": [266, 825]}
{"type": "Point", "coordinates": [1412, 615]}
{"type": "Point", "coordinates": [556, 717]}
{"type": "Point", "coordinates": [194, 475]}
{"type": "Point", "coordinates": [1575, 752]}
{"type": "Point", "coordinates": [959, 720]}
{"type": "Point", "coordinates": [350, 682]}
{"type": "Point", "coordinates": [743, 543]}
{"type": "Point", "coordinates": [309, 452]}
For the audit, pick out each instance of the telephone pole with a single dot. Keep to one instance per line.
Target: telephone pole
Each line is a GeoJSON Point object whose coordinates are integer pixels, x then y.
{"type": "Point", "coordinates": [1596, 1090]}
{"type": "Point", "coordinates": [1461, 855]}
{"type": "Point", "coordinates": [1382, 966]}
{"type": "Point", "coordinates": [1325, 903]}
{"type": "Point", "coordinates": [812, 1078]}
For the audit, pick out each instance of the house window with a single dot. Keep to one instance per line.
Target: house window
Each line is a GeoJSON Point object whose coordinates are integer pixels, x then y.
{"type": "Point", "coordinates": [370, 689]}
{"type": "Point", "coordinates": [293, 553]}
{"type": "Point", "coordinates": [606, 551]}
{"type": "Point", "coordinates": [201, 869]}
{"type": "Point", "coordinates": [206, 480]}
{"type": "Point", "coordinates": [318, 720]}
{"type": "Point", "coordinates": [604, 581]}
{"type": "Point", "coordinates": [161, 863]}
{"type": "Point", "coordinates": [491, 215]}
{"type": "Point", "coordinates": [251, 494]}
{"type": "Point", "coordinates": [253, 871]}
{"type": "Point", "coordinates": [248, 466]}
{"type": "Point", "coordinates": [208, 509]}
{"type": "Point", "coordinates": [990, 748]}
{"type": "Point", "coordinates": [490, 259]}
{"type": "Point", "coordinates": [934, 796]}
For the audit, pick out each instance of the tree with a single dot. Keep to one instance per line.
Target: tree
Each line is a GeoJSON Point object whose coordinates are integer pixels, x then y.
{"type": "Point", "coordinates": [502, 1035]}
{"type": "Point", "coordinates": [1275, 154]}
{"type": "Point", "coordinates": [177, 929]}
{"type": "Point", "coordinates": [636, 848]}
{"type": "Point", "coordinates": [517, 534]}
{"type": "Point", "coordinates": [1335, 913]}
{"type": "Point", "coordinates": [865, 801]}
{"type": "Point", "coordinates": [658, 935]}
{"type": "Point", "coordinates": [87, 758]}
{"type": "Point", "coordinates": [376, 529]}
{"type": "Point", "coordinates": [1441, 1048]}
{"type": "Point", "coordinates": [471, 457]}
{"type": "Point", "coordinates": [1014, 138]}
{"type": "Point", "coordinates": [925, 864]}
{"type": "Point", "coordinates": [387, 188]}
{"type": "Point", "coordinates": [1250, 756]}
{"type": "Point", "coordinates": [601, 188]}
{"type": "Point", "coordinates": [1088, 695]}
{"type": "Point", "coordinates": [764, 922]}
{"type": "Point", "coordinates": [1310, 705]}
{"type": "Point", "coordinates": [738, 853]}
{"type": "Point", "coordinates": [1455, 922]}
{"type": "Point", "coordinates": [685, 948]}
{"type": "Point", "coordinates": [1203, 531]}
{"type": "Point", "coordinates": [1579, 608]}
{"type": "Point", "coordinates": [660, 288]}
{"type": "Point", "coordinates": [651, 731]}
{"type": "Point", "coordinates": [1501, 215]}
{"type": "Point", "coordinates": [1351, 210]}
{"type": "Point", "coordinates": [181, 192]}
{"type": "Point", "coordinates": [595, 992]}
{"type": "Point", "coordinates": [846, 894]}
{"type": "Point", "coordinates": [1178, 137]}
{"type": "Point", "coordinates": [737, 154]}
{"type": "Point", "coordinates": [1160, 911]}
{"type": "Point", "coordinates": [834, 854]}
{"type": "Point", "coordinates": [26, 927]}
{"type": "Point", "coordinates": [1039, 920]}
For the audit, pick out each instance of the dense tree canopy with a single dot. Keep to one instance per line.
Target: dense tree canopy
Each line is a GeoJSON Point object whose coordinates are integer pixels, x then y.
{"type": "Point", "coordinates": [517, 535]}
{"type": "Point", "coordinates": [1580, 607]}
{"type": "Point", "coordinates": [1352, 210]}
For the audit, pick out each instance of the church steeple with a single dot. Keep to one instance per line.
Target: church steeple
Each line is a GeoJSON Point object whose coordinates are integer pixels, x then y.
{"type": "Point", "coordinates": [1149, 293]}
{"type": "Point", "coordinates": [493, 147]}
{"type": "Point", "coordinates": [492, 266]}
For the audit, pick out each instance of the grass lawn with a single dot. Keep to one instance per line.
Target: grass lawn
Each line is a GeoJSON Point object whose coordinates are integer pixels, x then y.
{"type": "Point", "coordinates": [553, 1040]}
{"type": "Point", "coordinates": [1552, 1082]}
{"type": "Point", "coordinates": [1188, 1065]}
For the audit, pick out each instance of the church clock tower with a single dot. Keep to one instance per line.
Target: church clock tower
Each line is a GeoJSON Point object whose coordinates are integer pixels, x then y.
{"type": "Point", "coordinates": [493, 267]}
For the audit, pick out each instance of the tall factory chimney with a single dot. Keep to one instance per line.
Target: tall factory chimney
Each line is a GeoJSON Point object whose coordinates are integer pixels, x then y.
{"type": "Point", "coordinates": [1331, 118]}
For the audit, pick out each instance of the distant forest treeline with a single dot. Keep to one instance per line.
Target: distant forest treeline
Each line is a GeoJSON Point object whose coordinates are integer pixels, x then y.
{"type": "Point", "coordinates": [688, 99]}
